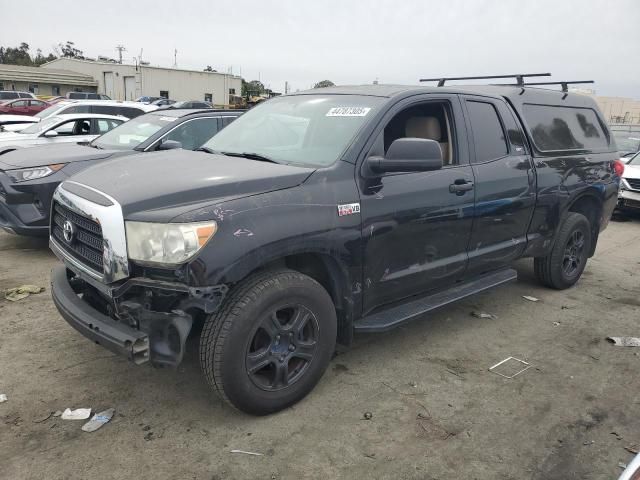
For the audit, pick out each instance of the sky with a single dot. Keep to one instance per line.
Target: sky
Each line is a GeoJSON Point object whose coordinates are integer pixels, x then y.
{"type": "Point", "coordinates": [353, 42]}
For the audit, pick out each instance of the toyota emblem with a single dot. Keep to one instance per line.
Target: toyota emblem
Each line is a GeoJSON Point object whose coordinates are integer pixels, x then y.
{"type": "Point", "coordinates": [68, 231]}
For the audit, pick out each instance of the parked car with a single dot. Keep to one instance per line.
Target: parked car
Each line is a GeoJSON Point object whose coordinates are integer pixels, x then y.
{"type": "Point", "coordinates": [147, 99]}
{"type": "Point", "coordinates": [23, 106]}
{"type": "Point", "coordinates": [53, 100]}
{"type": "Point", "coordinates": [632, 470]}
{"type": "Point", "coordinates": [629, 194]}
{"type": "Point", "coordinates": [191, 104]}
{"type": "Point", "coordinates": [103, 107]}
{"type": "Point", "coordinates": [162, 102]}
{"type": "Point", "coordinates": [11, 94]}
{"type": "Point", "coordinates": [82, 127]}
{"type": "Point", "coordinates": [627, 137]}
{"type": "Point", "coordinates": [29, 177]}
{"type": "Point", "coordinates": [87, 96]}
{"type": "Point", "coordinates": [324, 213]}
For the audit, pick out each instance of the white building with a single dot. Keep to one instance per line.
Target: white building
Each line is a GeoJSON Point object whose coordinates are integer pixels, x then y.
{"type": "Point", "coordinates": [128, 82]}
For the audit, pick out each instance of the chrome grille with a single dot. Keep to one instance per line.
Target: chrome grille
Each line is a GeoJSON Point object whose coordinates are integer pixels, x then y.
{"type": "Point", "coordinates": [633, 183]}
{"type": "Point", "coordinates": [87, 243]}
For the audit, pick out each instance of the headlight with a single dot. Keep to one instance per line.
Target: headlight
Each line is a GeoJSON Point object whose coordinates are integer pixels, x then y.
{"type": "Point", "coordinates": [34, 173]}
{"type": "Point", "coordinates": [167, 243]}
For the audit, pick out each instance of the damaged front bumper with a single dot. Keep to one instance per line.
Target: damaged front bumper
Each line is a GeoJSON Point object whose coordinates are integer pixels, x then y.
{"type": "Point", "coordinates": [124, 321]}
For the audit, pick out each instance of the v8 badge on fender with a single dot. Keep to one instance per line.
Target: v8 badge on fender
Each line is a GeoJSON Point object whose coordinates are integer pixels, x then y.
{"type": "Point", "coordinates": [348, 209]}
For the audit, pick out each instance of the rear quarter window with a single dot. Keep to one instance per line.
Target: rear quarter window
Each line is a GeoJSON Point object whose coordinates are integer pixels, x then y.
{"type": "Point", "coordinates": [555, 128]}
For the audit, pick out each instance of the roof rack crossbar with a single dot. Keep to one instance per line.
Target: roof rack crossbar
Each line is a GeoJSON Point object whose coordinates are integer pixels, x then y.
{"type": "Point", "coordinates": [565, 85]}
{"type": "Point", "coordinates": [518, 76]}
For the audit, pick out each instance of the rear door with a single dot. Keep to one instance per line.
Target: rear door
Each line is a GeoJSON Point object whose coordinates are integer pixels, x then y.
{"type": "Point", "coordinates": [20, 107]}
{"type": "Point", "coordinates": [505, 189]}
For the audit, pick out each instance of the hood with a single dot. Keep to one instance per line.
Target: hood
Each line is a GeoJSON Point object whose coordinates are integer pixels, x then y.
{"type": "Point", "coordinates": [50, 154]}
{"type": "Point", "coordinates": [13, 136]}
{"type": "Point", "coordinates": [158, 186]}
{"type": "Point", "coordinates": [18, 118]}
{"type": "Point", "coordinates": [631, 171]}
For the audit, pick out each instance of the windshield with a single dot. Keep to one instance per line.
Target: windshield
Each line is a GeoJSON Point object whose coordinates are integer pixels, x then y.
{"type": "Point", "coordinates": [52, 110]}
{"type": "Point", "coordinates": [41, 126]}
{"type": "Point", "coordinates": [627, 141]}
{"type": "Point", "coordinates": [132, 133]}
{"type": "Point", "coordinates": [635, 160]}
{"type": "Point", "coordinates": [302, 129]}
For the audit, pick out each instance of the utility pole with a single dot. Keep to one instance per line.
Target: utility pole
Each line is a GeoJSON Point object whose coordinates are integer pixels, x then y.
{"type": "Point", "coordinates": [120, 49]}
{"type": "Point", "coordinates": [175, 57]}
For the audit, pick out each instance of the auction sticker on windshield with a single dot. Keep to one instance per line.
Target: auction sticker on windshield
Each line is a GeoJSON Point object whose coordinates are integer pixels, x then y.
{"type": "Point", "coordinates": [348, 111]}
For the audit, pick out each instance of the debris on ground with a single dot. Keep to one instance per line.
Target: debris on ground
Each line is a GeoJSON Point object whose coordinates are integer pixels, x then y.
{"type": "Point", "coordinates": [625, 341]}
{"type": "Point", "coordinates": [530, 298]}
{"type": "Point", "coordinates": [57, 413]}
{"type": "Point", "coordinates": [248, 453]}
{"type": "Point", "coordinates": [482, 315]}
{"type": "Point", "coordinates": [98, 420]}
{"type": "Point", "coordinates": [635, 448]}
{"type": "Point", "coordinates": [44, 419]}
{"type": "Point", "coordinates": [368, 415]}
{"type": "Point", "coordinates": [77, 414]}
{"type": "Point", "coordinates": [509, 367]}
{"type": "Point", "coordinates": [556, 324]}
{"type": "Point", "coordinates": [3, 397]}
{"type": "Point", "coordinates": [622, 465]}
{"type": "Point", "coordinates": [23, 291]}
{"type": "Point", "coordinates": [413, 384]}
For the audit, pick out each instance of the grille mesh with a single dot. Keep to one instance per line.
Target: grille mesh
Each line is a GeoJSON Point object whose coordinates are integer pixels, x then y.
{"type": "Point", "coordinates": [86, 246]}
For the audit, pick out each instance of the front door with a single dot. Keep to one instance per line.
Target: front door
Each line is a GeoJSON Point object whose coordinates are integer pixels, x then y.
{"type": "Point", "coordinates": [505, 185]}
{"type": "Point", "coordinates": [416, 226]}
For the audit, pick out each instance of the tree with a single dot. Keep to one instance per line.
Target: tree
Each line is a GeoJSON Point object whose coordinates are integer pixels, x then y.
{"type": "Point", "coordinates": [324, 84]}
{"type": "Point", "coordinates": [16, 56]}
{"type": "Point", "coordinates": [70, 51]}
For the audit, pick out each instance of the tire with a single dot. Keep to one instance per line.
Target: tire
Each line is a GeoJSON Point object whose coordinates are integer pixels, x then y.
{"type": "Point", "coordinates": [564, 265]}
{"type": "Point", "coordinates": [270, 342]}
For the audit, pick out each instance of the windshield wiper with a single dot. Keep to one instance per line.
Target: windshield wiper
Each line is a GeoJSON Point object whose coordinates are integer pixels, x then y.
{"type": "Point", "coordinates": [251, 156]}
{"type": "Point", "coordinates": [207, 150]}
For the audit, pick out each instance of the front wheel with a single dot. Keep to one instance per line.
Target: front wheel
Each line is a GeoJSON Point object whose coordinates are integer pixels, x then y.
{"type": "Point", "coordinates": [270, 342]}
{"type": "Point", "coordinates": [564, 265]}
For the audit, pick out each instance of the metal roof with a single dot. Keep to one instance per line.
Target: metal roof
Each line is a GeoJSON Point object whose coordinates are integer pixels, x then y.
{"type": "Point", "coordinates": [20, 73]}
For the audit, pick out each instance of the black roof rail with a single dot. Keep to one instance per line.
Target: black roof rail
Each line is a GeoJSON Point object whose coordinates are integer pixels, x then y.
{"type": "Point", "coordinates": [565, 85]}
{"type": "Point", "coordinates": [518, 76]}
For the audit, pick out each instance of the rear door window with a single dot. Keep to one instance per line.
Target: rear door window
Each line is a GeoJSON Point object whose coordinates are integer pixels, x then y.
{"type": "Point", "coordinates": [129, 112]}
{"type": "Point", "coordinates": [193, 134]}
{"type": "Point", "coordinates": [488, 134]}
{"type": "Point", "coordinates": [76, 109]}
{"type": "Point", "coordinates": [556, 128]}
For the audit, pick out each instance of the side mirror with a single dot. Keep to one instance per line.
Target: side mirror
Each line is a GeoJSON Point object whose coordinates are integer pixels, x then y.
{"type": "Point", "coordinates": [408, 155]}
{"type": "Point", "coordinates": [50, 134]}
{"type": "Point", "coordinates": [169, 145]}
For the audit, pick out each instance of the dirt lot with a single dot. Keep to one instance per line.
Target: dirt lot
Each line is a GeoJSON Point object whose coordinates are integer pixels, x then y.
{"type": "Point", "coordinates": [437, 412]}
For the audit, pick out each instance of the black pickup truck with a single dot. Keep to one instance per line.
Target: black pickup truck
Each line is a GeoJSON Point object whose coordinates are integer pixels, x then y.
{"type": "Point", "coordinates": [324, 213]}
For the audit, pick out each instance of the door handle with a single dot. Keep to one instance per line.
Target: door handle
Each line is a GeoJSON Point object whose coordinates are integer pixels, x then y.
{"type": "Point", "coordinates": [460, 186]}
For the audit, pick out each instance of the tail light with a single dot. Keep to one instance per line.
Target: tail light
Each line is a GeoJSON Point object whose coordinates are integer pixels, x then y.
{"type": "Point", "coordinates": [618, 167]}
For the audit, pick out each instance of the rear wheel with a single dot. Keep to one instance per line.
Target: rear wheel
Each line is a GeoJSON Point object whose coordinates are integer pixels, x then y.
{"type": "Point", "coordinates": [270, 343]}
{"type": "Point", "coordinates": [564, 265]}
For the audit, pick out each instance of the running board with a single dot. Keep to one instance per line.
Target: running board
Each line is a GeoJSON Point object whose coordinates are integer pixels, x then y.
{"type": "Point", "coordinates": [395, 316]}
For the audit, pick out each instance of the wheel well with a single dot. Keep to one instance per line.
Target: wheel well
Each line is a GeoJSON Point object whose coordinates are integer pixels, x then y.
{"type": "Point", "coordinates": [591, 208]}
{"type": "Point", "coordinates": [326, 271]}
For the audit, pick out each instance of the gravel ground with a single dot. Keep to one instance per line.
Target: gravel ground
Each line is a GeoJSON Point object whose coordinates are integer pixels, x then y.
{"type": "Point", "coordinates": [437, 412]}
